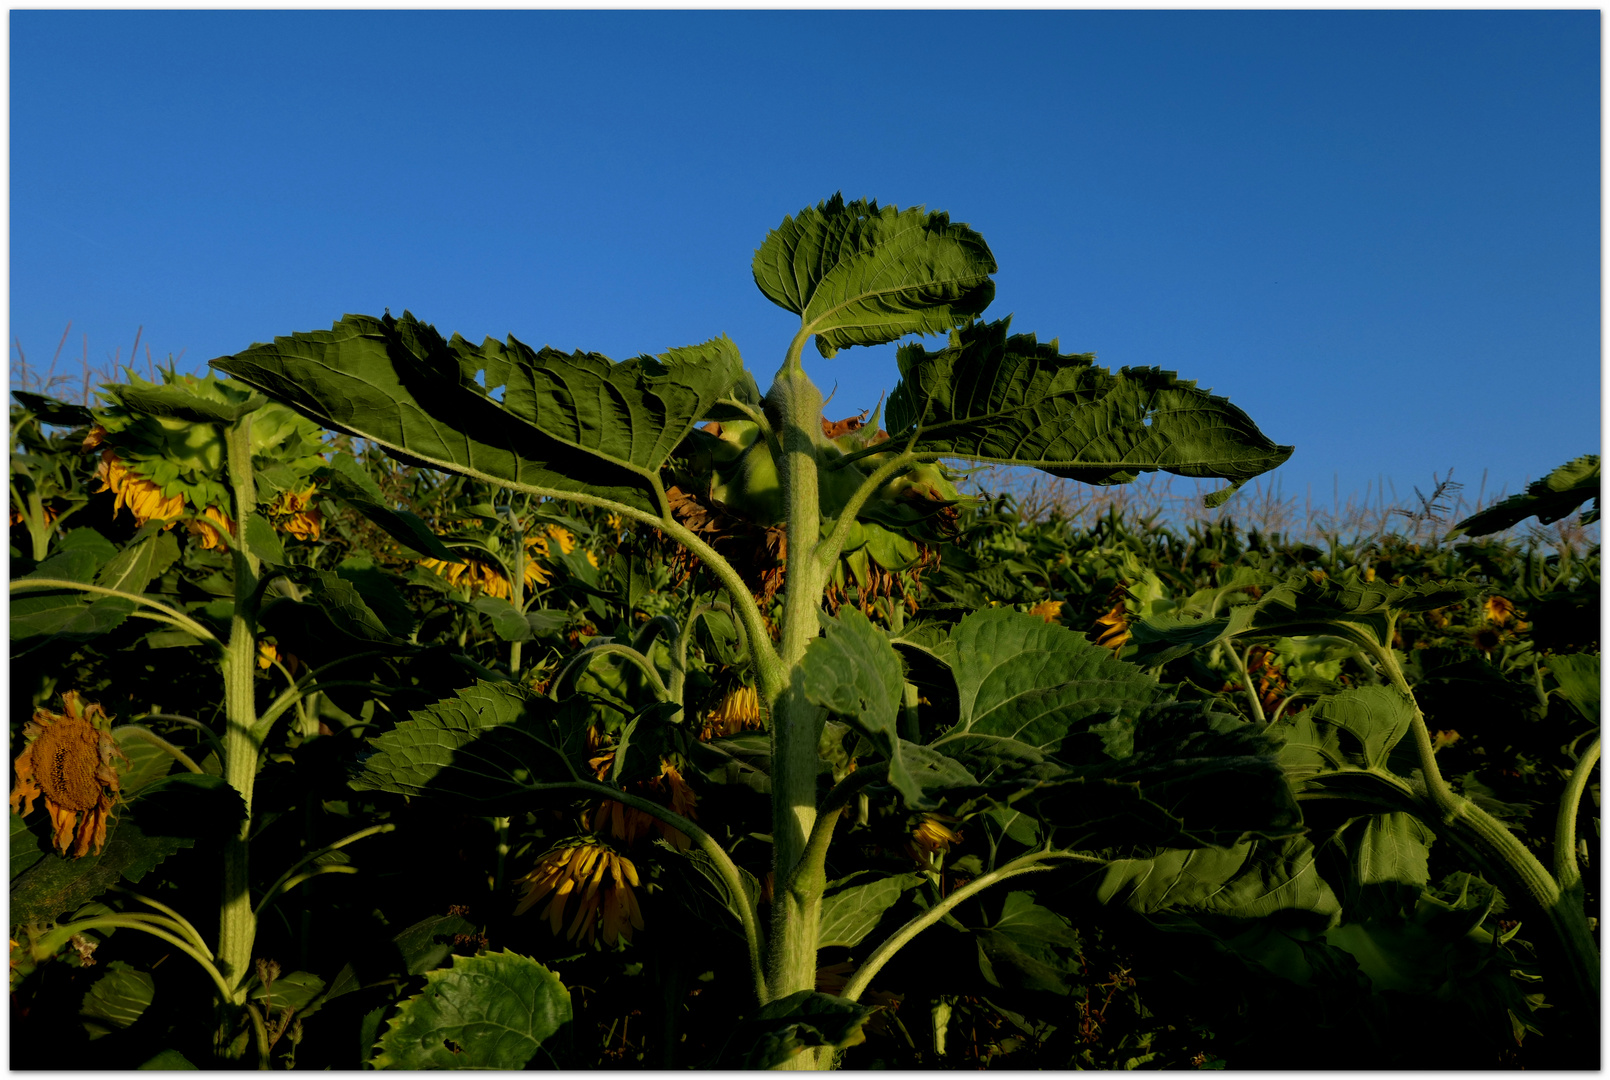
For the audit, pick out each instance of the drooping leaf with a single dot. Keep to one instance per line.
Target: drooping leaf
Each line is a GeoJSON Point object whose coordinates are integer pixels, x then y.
{"type": "Point", "coordinates": [705, 883]}
{"type": "Point", "coordinates": [116, 1000]}
{"type": "Point", "coordinates": [146, 763]}
{"type": "Point", "coordinates": [292, 990]}
{"type": "Point", "coordinates": [860, 274]}
{"type": "Point", "coordinates": [426, 944]}
{"type": "Point", "coordinates": [494, 1011]}
{"type": "Point", "coordinates": [263, 541]}
{"type": "Point", "coordinates": [1578, 677]}
{"type": "Point", "coordinates": [1549, 499]}
{"type": "Point", "coordinates": [850, 912]}
{"type": "Point", "coordinates": [853, 672]}
{"type": "Point", "coordinates": [577, 424]}
{"type": "Point", "coordinates": [994, 397]}
{"type": "Point", "coordinates": [486, 743]}
{"type": "Point", "coordinates": [168, 1061]}
{"type": "Point", "coordinates": [1392, 848]}
{"type": "Point", "coordinates": [507, 621]}
{"type": "Point", "coordinates": [175, 401]}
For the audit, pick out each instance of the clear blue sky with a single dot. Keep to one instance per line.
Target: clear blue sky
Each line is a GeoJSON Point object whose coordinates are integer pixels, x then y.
{"type": "Point", "coordinates": [1377, 232]}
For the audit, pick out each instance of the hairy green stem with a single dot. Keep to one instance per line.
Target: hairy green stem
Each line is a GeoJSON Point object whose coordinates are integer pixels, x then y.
{"type": "Point", "coordinates": [237, 929]}
{"type": "Point", "coordinates": [796, 405]}
{"type": "Point", "coordinates": [1565, 865]}
{"type": "Point", "coordinates": [826, 551]}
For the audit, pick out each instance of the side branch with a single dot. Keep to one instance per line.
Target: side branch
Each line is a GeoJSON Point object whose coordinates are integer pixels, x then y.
{"type": "Point", "coordinates": [1027, 864]}
{"type": "Point", "coordinates": [828, 548]}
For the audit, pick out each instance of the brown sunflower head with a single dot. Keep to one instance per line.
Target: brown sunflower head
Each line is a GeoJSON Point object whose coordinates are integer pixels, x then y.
{"type": "Point", "coordinates": [68, 760]}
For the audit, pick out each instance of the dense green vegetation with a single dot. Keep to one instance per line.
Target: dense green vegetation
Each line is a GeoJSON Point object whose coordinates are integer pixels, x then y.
{"type": "Point", "coordinates": [401, 702]}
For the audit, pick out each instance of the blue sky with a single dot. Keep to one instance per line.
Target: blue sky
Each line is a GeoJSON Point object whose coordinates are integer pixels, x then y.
{"type": "Point", "coordinates": [1377, 232]}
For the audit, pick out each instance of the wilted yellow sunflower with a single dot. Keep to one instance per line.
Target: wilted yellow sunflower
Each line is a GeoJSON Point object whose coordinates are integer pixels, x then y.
{"type": "Point", "coordinates": [1049, 610]}
{"type": "Point", "coordinates": [739, 711]}
{"type": "Point", "coordinates": [68, 759]}
{"type": "Point", "coordinates": [1112, 629]}
{"type": "Point", "coordinates": [290, 511]}
{"type": "Point", "coordinates": [627, 824]}
{"type": "Point", "coordinates": [1498, 610]}
{"type": "Point", "coordinates": [930, 839]}
{"type": "Point", "coordinates": [601, 878]}
{"type": "Point", "coordinates": [211, 526]}
{"type": "Point", "coordinates": [144, 499]}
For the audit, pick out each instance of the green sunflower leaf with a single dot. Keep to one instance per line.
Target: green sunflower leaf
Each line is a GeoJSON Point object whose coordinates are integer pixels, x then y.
{"type": "Point", "coordinates": [1549, 499]}
{"type": "Point", "coordinates": [577, 424]}
{"type": "Point", "coordinates": [789, 1026]}
{"type": "Point", "coordinates": [854, 673]}
{"type": "Point", "coordinates": [860, 274]}
{"type": "Point", "coordinates": [851, 912]}
{"type": "Point", "coordinates": [116, 1000]}
{"type": "Point", "coordinates": [488, 742]}
{"type": "Point", "coordinates": [1011, 400]}
{"type": "Point", "coordinates": [494, 1011]}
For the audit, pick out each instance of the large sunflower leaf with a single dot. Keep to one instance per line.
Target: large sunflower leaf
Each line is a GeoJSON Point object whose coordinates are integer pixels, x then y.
{"type": "Point", "coordinates": [860, 274]}
{"type": "Point", "coordinates": [486, 743]}
{"type": "Point", "coordinates": [494, 1011]}
{"type": "Point", "coordinates": [1250, 880]}
{"type": "Point", "coordinates": [579, 424]}
{"type": "Point", "coordinates": [1548, 499]}
{"type": "Point", "coordinates": [1023, 680]}
{"type": "Point", "coordinates": [1008, 399]}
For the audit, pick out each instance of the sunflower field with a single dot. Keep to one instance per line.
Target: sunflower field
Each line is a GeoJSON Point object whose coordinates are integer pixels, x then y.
{"type": "Point", "coordinates": [381, 700]}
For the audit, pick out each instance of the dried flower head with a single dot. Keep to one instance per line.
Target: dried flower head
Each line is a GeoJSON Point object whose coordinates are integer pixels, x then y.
{"type": "Point", "coordinates": [68, 760]}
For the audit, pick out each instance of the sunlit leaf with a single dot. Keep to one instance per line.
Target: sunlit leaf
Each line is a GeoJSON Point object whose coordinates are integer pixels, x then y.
{"type": "Point", "coordinates": [1011, 400]}
{"type": "Point", "coordinates": [576, 423]}
{"type": "Point", "coordinates": [860, 274]}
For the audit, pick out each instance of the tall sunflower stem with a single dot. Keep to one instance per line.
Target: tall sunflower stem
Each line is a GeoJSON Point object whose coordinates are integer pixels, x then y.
{"type": "Point", "coordinates": [796, 405]}
{"type": "Point", "coordinates": [237, 930]}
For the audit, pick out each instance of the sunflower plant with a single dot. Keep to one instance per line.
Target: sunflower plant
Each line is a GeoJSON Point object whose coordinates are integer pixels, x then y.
{"type": "Point", "coordinates": [240, 473]}
{"type": "Point", "coordinates": [626, 438]}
